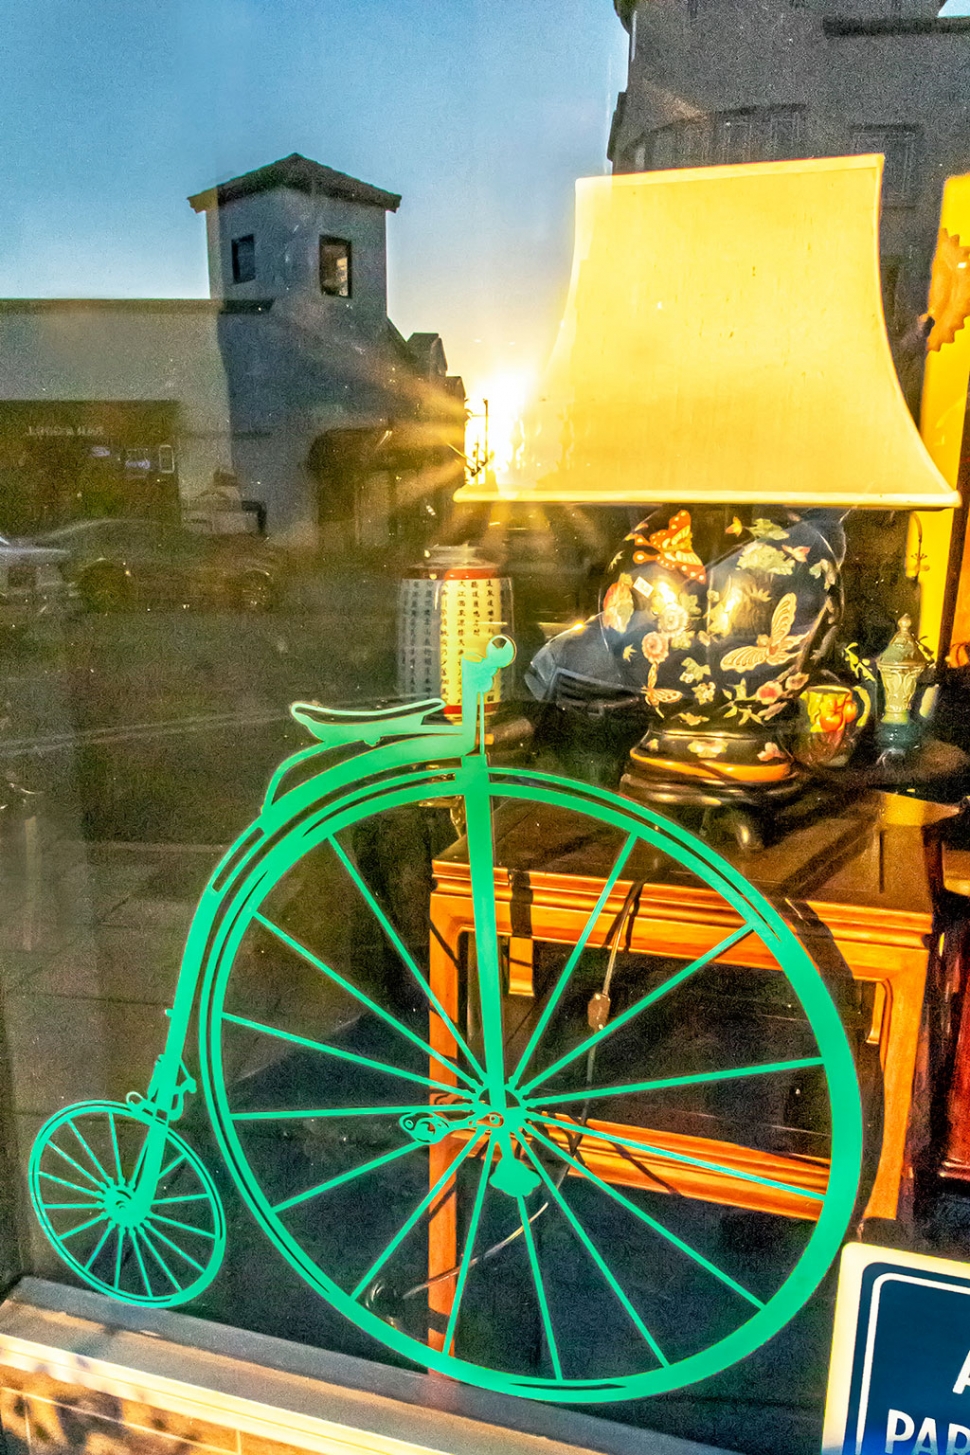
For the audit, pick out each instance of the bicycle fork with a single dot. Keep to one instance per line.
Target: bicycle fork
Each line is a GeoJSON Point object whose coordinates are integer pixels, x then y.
{"type": "Point", "coordinates": [164, 1101]}
{"type": "Point", "coordinates": [501, 1113]}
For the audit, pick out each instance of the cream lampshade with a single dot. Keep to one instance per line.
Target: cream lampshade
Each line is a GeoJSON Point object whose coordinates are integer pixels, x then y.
{"type": "Point", "coordinates": [723, 342]}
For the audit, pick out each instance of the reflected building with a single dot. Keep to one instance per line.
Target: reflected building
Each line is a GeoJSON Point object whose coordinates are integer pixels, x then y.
{"type": "Point", "coordinates": [720, 82]}
{"type": "Point", "coordinates": [727, 81]}
{"type": "Point", "coordinates": [288, 397]}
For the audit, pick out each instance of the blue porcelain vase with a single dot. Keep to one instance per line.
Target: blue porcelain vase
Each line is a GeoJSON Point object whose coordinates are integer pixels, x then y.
{"type": "Point", "coordinates": [713, 618]}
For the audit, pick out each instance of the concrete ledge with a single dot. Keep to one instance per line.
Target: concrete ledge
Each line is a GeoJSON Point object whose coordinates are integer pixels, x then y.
{"type": "Point", "coordinates": [267, 1389]}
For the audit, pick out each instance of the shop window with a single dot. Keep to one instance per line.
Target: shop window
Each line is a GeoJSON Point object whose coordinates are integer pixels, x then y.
{"type": "Point", "coordinates": [898, 145]}
{"type": "Point", "coordinates": [244, 259]}
{"type": "Point", "coordinates": [335, 277]}
{"type": "Point", "coordinates": [138, 461]}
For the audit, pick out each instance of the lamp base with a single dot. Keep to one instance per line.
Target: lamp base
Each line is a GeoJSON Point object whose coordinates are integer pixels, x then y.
{"type": "Point", "coordinates": [735, 782]}
{"type": "Point", "coordinates": [711, 766]}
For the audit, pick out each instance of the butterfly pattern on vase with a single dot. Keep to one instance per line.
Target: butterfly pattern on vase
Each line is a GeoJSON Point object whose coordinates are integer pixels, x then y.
{"type": "Point", "coordinates": [733, 647]}
{"type": "Point", "coordinates": [774, 649]}
{"type": "Point", "coordinates": [674, 547]}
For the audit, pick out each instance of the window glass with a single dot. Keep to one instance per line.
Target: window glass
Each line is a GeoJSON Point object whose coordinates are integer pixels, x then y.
{"type": "Point", "coordinates": [264, 935]}
{"type": "Point", "coordinates": [244, 259]}
{"type": "Point", "coordinates": [335, 267]}
{"type": "Point", "coordinates": [899, 146]}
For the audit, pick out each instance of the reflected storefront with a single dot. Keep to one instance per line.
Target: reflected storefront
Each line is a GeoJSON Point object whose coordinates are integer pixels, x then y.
{"type": "Point", "coordinates": [484, 853]}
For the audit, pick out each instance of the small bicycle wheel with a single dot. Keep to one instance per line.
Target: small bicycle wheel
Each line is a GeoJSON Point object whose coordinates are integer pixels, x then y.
{"type": "Point", "coordinates": [669, 1165]}
{"type": "Point", "coordinates": [84, 1168]}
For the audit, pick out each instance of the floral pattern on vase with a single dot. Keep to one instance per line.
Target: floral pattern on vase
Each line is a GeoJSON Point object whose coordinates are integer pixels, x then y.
{"type": "Point", "coordinates": [712, 619]}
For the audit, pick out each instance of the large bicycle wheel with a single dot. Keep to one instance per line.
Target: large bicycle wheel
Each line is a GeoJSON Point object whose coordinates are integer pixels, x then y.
{"type": "Point", "coordinates": [677, 1151]}
{"type": "Point", "coordinates": [84, 1169]}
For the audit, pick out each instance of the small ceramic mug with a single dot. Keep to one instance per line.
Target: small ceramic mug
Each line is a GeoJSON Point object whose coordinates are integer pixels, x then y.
{"type": "Point", "coordinates": [831, 717]}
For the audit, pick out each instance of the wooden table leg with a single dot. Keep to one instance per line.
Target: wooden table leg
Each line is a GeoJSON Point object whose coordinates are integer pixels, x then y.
{"type": "Point", "coordinates": [443, 1223]}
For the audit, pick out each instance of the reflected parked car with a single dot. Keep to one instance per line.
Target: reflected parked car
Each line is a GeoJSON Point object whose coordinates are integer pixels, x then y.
{"type": "Point", "coordinates": [32, 581]}
{"type": "Point", "coordinates": [115, 565]}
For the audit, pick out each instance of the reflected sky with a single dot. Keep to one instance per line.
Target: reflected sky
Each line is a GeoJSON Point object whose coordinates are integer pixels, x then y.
{"type": "Point", "coordinates": [481, 112]}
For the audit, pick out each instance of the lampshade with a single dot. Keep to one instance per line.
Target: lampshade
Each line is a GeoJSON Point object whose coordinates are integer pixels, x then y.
{"type": "Point", "coordinates": [723, 342]}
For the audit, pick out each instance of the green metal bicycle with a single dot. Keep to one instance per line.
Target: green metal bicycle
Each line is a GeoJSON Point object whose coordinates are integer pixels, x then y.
{"type": "Point", "coordinates": [569, 1282]}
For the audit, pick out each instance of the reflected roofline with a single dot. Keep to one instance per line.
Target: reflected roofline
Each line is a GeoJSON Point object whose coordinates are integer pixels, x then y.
{"type": "Point", "coordinates": [303, 175]}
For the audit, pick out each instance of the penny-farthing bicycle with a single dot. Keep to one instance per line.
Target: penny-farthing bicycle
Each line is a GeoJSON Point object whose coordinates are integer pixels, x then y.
{"type": "Point", "coordinates": [360, 1110]}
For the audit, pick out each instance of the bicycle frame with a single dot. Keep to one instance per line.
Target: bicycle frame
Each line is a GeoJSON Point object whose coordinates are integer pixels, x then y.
{"type": "Point", "coordinates": [417, 741]}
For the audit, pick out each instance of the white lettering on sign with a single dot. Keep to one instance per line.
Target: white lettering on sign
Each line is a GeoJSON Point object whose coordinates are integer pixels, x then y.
{"type": "Point", "coordinates": [963, 1378]}
{"type": "Point", "coordinates": [926, 1444]}
{"type": "Point", "coordinates": [65, 431]}
{"type": "Point", "coordinates": [901, 1427]}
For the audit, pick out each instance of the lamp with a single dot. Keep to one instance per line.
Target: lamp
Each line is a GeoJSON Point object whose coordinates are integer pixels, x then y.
{"type": "Point", "coordinates": [723, 342]}
{"type": "Point", "coordinates": [723, 348]}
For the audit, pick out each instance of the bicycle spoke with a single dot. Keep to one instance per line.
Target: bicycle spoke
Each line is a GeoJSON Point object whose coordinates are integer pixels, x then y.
{"type": "Point", "coordinates": [418, 1213]}
{"type": "Point", "coordinates": [652, 996]}
{"type": "Point", "coordinates": [354, 1172]}
{"type": "Point", "coordinates": [141, 1264]}
{"type": "Point", "coordinates": [597, 1257]}
{"type": "Point", "coordinates": [76, 1165]}
{"type": "Point", "coordinates": [72, 1206]}
{"type": "Point", "coordinates": [566, 974]}
{"type": "Point", "coordinates": [646, 1148]}
{"type": "Point", "coordinates": [62, 1182]}
{"type": "Point", "coordinates": [341, 1055]}
{"type": "Point", "coordinates": [171, 1166]}
{"type": "Point", "coordinates": [154, 1217]}
{"type": "Point", "coordinates": [406, 955]}
{"type": "Point", "coordinates": [118, 1257]}
{"type": "Point", "coordinates": [159, 1259]}
{"type": "Point", "coordinates": [114, 1146]}
{"type": "Point", "coordinates": [699, 1078]}
{"type": "Point", "coordinates": [539, 1288]}
{"type": "Point", "coordinates": [101, 1242]}
{"type": "Point", "coordinates": [73, 1232]}
{"type": "Point", "coordinates": [316, 1112]}
{"type": "Point", "coordinates": [653, 1223]}
{"type": "Point", "coordinates": [466, 1255]}
{"type": "Point", "coordinates": [87, 1149]}
{"type": "Point", "coordinates": [365, 1000]}
{"type": "Point", "coordinates": [157, 1233]}
{"type": "Point", "coordinates": [139, 1162]}
{"type": "Point", "coordinates": [186, 1197]}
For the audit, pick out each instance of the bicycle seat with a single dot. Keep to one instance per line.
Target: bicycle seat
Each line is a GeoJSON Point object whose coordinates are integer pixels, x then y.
{"type": "Point", "coordinates": [334, 726]}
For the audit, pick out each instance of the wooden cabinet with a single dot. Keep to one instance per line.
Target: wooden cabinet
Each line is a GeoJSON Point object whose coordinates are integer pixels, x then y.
{"type": "Point", "coordinates": [857, 885]}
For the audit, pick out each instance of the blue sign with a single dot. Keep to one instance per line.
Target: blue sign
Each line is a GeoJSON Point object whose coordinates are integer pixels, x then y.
{"type": "Point", "coordinates": [899, 1381]}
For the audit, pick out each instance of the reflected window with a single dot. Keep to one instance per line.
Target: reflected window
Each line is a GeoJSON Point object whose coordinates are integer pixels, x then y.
{"type": "Point", "coordinates": [898, 145]}
{"type": "Point", "coordinates": [752, 134]}
{"type": "Point", "coordinates": [335, 267]}
{"type": "Point", "coordinates": [138, 461]}
{"type": "Point", "coordinates": [733, 137]}
{"type": "Point", "coordinates": [244, 259]}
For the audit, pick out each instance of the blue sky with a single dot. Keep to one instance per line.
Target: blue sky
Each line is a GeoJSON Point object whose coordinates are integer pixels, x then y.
{"type": "Point", "coordinates": [480, 112]}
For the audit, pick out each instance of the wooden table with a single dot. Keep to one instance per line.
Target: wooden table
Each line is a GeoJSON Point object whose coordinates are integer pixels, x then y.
{"type": "Point", "coordinates": [858, 887]}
